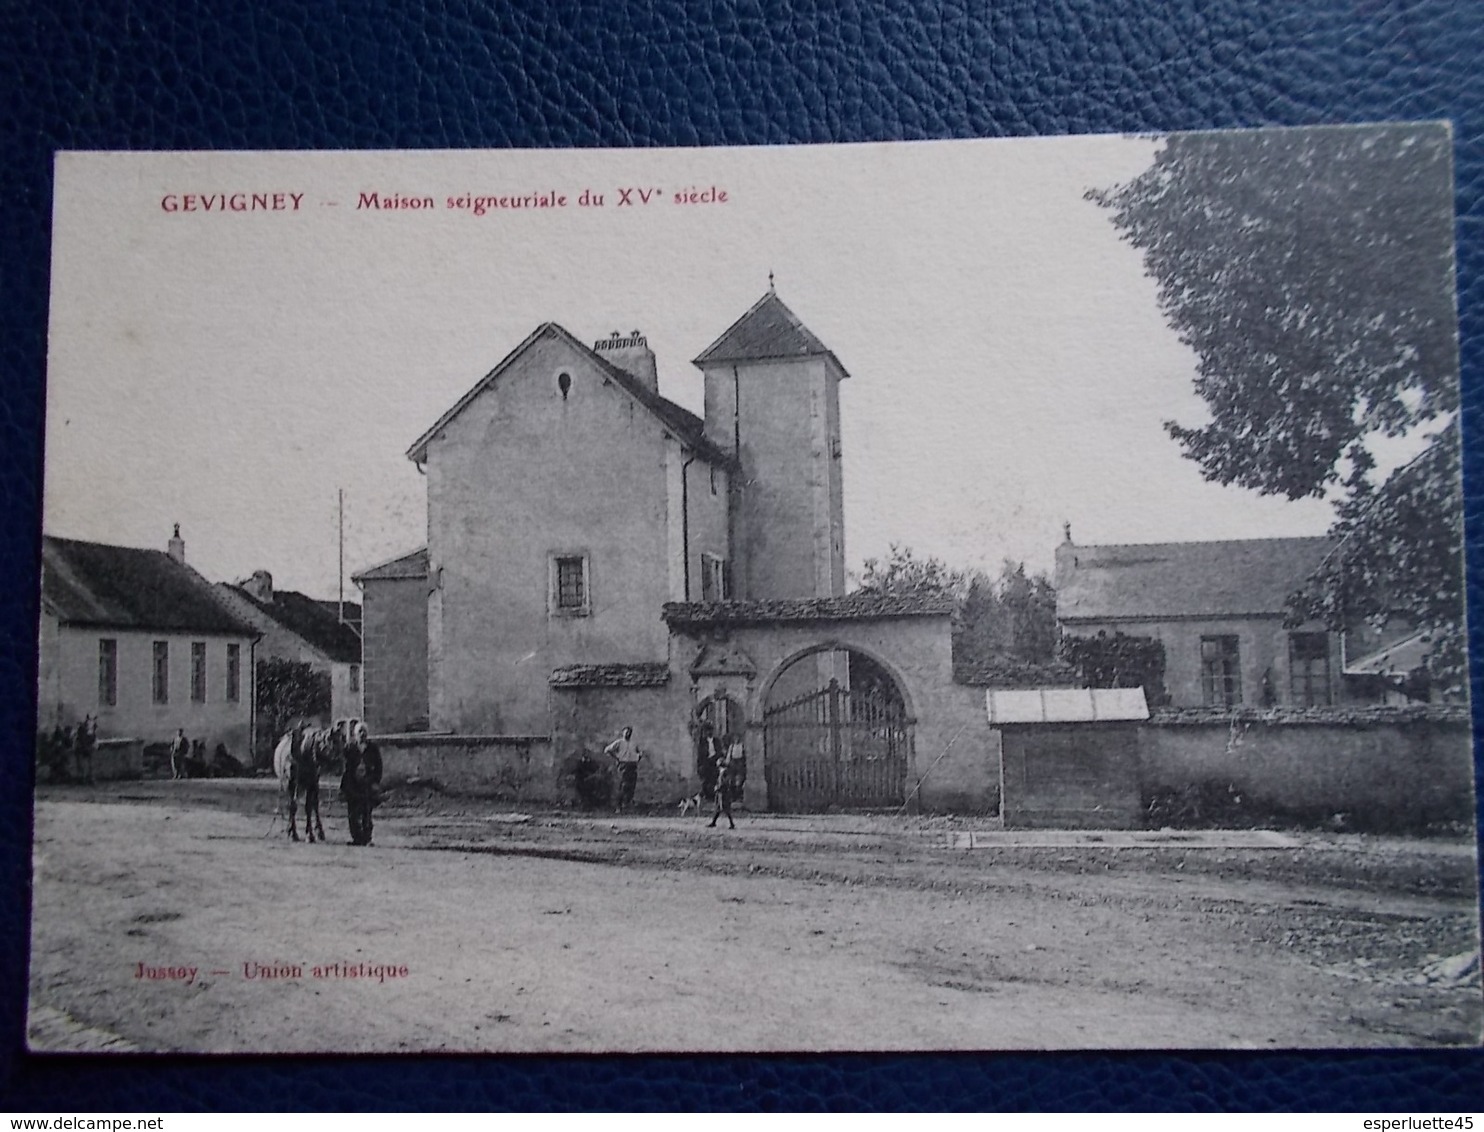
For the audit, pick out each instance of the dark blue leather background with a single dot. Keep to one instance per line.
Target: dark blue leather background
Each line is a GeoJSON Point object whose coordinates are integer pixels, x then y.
{"type": "Point", "coordinates": [251, 74]}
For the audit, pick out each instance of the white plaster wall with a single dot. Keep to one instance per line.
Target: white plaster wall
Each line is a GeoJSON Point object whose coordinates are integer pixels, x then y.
{"type": "Point", "coordinates": [136, 715]}
{"type": "Point", "coordinates": [520, 474]}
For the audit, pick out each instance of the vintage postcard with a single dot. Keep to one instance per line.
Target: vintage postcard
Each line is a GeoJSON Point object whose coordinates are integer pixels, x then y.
{"type": "Point", "coordinates": [950, 595]}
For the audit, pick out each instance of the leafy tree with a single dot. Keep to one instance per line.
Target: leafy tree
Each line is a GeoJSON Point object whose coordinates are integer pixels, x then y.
{"type": "Point", "coordinates": [1119, 661]}
{"type": "Point", "coordinates": [288, 690]}
{"type": "Point", "coordinates": [1008, 619]}
{"type": "Point", "coordinates": [904, 573]}
{"type": "Point", "coordinates": [1400, 555]}
{"type": "Point", "coordinates": [1311, 272]}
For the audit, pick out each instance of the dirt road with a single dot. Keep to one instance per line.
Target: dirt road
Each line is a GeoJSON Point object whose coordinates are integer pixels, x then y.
{"type": "Point", "coordinates": [166, 917]}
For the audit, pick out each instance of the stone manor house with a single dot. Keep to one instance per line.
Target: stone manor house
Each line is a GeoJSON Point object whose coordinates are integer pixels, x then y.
{"type": "Point", "coordinates": [598, 556]}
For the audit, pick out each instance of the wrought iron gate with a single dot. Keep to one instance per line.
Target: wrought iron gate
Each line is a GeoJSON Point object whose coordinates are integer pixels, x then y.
{"type": "Point", "coordinates": [836, 747]}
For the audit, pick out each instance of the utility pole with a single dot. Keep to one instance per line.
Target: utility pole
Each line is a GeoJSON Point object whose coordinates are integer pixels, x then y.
{"type": "Point", "coordinates": [340, 611]}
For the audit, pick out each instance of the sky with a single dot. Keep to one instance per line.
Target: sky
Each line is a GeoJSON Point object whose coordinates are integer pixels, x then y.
{"type": "Point", "coordinates": [232, 371]}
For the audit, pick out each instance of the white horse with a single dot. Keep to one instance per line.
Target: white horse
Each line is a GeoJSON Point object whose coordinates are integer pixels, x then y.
{"type": "Point", "coordinates": [319, 748]}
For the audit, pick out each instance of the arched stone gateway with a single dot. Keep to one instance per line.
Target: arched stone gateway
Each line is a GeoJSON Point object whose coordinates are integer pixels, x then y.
{"type": "Point", "coordinates": [836, 732]}
{"type": "Point", "coordinates": [848, 702]}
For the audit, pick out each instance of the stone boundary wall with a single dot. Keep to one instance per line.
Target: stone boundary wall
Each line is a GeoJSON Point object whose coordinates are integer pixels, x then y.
{"type": "Point", "coordinates": [1375, 767]}
{"type": "Point", "coordinates": [117, 759]}
{"type": "Point", "coordinates": [517, 768]}
{"type": "Point", "coordinates": [1387, 768]}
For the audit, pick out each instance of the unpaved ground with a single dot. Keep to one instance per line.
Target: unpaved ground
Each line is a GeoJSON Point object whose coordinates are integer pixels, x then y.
{"type": "Point", "coordinates": [567, 932]}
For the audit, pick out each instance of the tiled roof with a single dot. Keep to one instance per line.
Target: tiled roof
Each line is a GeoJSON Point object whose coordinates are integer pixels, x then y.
{"type": "Point", "coordinates": [1396, 659]}
{"type": "Point", "coordinates": [413, 564]}
{"type": "Point", "coordinates": [611, 676]}
{"type": "Point", "coordinates": [768, 331]}
{"type": "Point", "coordinates": [351, 610]}
{"type": "Point", "coordinates": [1184, 579]}
{"type": "Point", "coordinates": [307, 619]}
{"type": "Point", "coordinates": [855, 607]}
{"type": "Point", "coordinates": [122, 587]}
{"type": "Point", "coordinates": [688, 428]}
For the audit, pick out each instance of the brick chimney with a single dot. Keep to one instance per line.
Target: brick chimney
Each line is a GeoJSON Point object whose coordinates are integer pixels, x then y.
{"type": "Point", "coordinates": [630, 353]}
{"type": "Point", "coordinates": [176, 546]}
{"type": "Point", "coordinates": [259, 587]}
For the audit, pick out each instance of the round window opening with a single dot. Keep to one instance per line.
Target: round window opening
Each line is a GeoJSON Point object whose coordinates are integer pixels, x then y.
{"type": "Point", "coordinates": [564, 383]}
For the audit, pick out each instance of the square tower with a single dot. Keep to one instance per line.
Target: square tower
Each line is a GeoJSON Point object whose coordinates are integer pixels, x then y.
{"type": "Point", "coordinates": [773, 401]}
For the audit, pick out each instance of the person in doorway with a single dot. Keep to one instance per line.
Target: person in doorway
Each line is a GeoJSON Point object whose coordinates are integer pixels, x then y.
{"type": "Point", "coordinates": [709, 751]}
{"type": "Point", "coordinates": [731, 774]}
{"type": "Point", "coordinates": [360, 786]}
{"type": "Point", "coordinates": [625, 752]}
{"type": "Point", "coordinates": [180, 751]}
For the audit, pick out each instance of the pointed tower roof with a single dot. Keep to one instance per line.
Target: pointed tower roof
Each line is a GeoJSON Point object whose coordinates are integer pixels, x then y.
{"type": "Point", "coordinates": [768, 331]}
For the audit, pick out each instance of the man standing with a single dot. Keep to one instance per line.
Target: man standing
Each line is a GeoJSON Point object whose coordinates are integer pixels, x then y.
{"type": "Point", "coordinates": [180, 749]}
{"type": "Point", "coordinates": [361, 785]}
{"type": "Point", "coordinates": [708, 758]}
{"type": "Point", "coordinates": [626, 754]}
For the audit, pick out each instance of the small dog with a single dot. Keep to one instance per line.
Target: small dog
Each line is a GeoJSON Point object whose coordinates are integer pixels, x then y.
{"type": "Point", "coordinates": [691, 803]}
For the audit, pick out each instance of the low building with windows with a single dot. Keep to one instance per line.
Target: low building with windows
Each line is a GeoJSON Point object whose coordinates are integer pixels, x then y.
{"type": "Point", "coordinates": [322, 634]}
{"type": "Point", "coordinates": [1218, 608]}
{"type": "Point", "coordinates": [141, 642]}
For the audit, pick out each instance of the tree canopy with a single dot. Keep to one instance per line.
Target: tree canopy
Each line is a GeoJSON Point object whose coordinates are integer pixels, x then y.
{"type": "Point", "coordinates": [289, 690]}
{"type": "Point", "coordinates": [1009, 620]}
{"type": "Point", "coordinates": [1311, 272]}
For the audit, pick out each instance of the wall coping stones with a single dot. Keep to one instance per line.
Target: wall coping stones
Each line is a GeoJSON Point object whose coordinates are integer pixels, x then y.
{"type": "Point", "coordinates": [429, 739]}
{"type": "Point", "coordinates": [642, 675]}
{"type": "Point", "coordinates": [1360, 715]}
{"type": "Point", "coordinates": [864, 606]}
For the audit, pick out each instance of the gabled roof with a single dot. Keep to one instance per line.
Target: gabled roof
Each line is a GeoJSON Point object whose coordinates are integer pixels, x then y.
{"type": "Point", "coordinates": [687, 428]}
{"type": "Point", "coordinates": [862, 606]}
{"type": "Point", "coordinates": [122, 587]}
{"type": "Point", "coordinates": [1154, 581]}
{"type": "Point", "coordinates": [1396, 659]}
{"type": "Point", "coordinates": [768, 331]}
{"type": "Point", "coordinates": [309, 620]}
{"type": "Point", "coordinates": [413, 564]}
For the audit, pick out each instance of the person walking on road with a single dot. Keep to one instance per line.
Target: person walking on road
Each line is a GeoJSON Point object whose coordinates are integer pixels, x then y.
{"type": "Point", "coordinates": [731, 768]}
{"type": "Point", "coordinates": [625, 752]}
